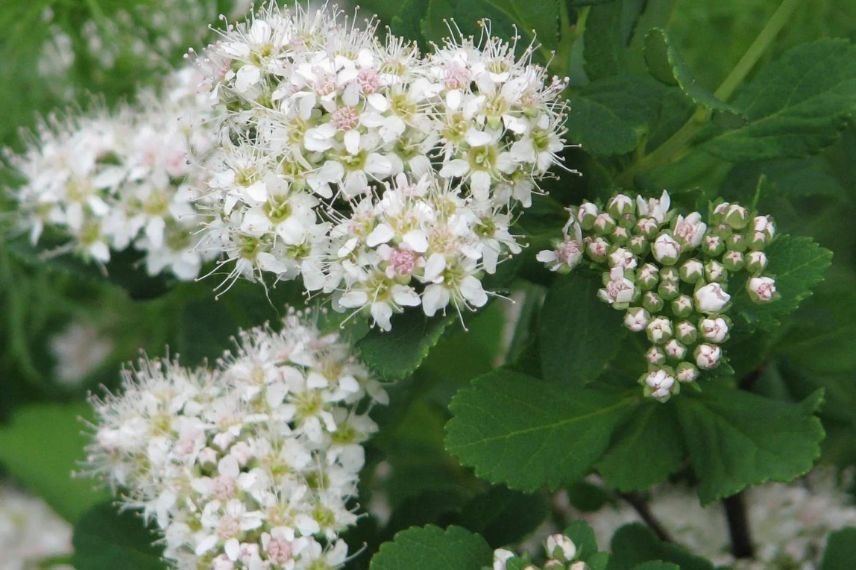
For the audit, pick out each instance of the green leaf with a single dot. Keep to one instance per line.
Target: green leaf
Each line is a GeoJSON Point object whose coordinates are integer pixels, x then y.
{"type": "Point", "coordinates": [407, 21]}
{"type": "Point", "coordinates": [528, 433]}
{"type": "Point", "coordinates": [840, 550]}
{"type": "Point", "coordinates": [578, 333]}
{"type": "Point", "coordinates": [736, 439]}
{"type": "Point", "coordinates": [467, 16]}
{"type": "Point", "coordinates": [636, 544]}
{"type": "Point", "coordinates": [657, 565]}
{"type": "Point", "coordinates": [503, 516]}
{"type": "Point", "coordinates": [430, 547]}
{"type": "Point", "coordinates": [604, 51]}
{"type": "Point", "coordinates": [583, 536]}
{"type": "Point", "coordinates": [396, 354]}
{"type": "Point", "coordinates": [41, 447]}
{"type": "Point", "coordinates": [798, 264]}
{"type": "Point", "coordinates": [646, 450]}
{"type": "Point", "coordinates": [610, 116]}
{"type": "Point", "coordinates": [105, 539]}
{"type": "Point", "coordinates": [666, 64]}
{"type": "Point", "coordinates": [795, 105]}
{"type": "Point", "coordinates": [541, 17]}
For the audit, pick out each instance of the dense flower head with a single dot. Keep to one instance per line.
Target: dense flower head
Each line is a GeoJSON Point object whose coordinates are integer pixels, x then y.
{"type": "Point", "coordinates": [107, 181]}
{"type": "Point", "coordinates": [670, 273]}
{"type": "Point", "coordinates": [252, 464]}
{"type": "Point", "coordinates": [340, 151]}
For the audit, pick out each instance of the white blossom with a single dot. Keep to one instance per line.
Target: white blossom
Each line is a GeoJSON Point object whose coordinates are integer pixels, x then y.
{"type": "Point", "coordinates": [711, 298]}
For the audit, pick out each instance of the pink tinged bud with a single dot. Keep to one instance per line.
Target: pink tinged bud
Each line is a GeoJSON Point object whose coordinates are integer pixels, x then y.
{"type": "Point", "coordinates": [666, 249]}
{"type": "Point", "coordinates": [708, 356]}
{"type": "Point", "coordinates": [686, 372]}
{"type": "Point", "coordinates": [603, 223]}
{"type": "Point", "coordinates": [622, 258]}
{"type": "Point", "coordinates": [570, 253]}
{"type": "Point", "coordinates": [647, 276]}
{"type": "Point", "coordinates": [713, 330]}
{"type": "Point", "coordinates": [652, 302]}
{"type": "Point", "coordinates": [686, 332]}
{"type": "Point", "coordinates": [711, 298]}
{"type": "Point", "coordinates": [279, 551]}
{"type": "Point", "coordinates": [636, 319]}
{"type": "Point", "coordinates": [764, 225]}
{"type": "Point", "coordinates": [712, 245]}
{"type": "Point", "coordinates": [647, 227]}
{"type": "Point", "coordinates": [660, 384]}
{"type": "Point", "coordinates": [719, 212]}
{"type": "Point", "coordinates": [756, 261]}
{"type": "Point", "coordinates": [586, 215]}
{"type": "Point", "coordinates": [736, 216]}
{"type": "Point", "coordinates": [620, 204]}
{"type": "Point", "coordinates": [733, 260]}
{"type": "Point", "coordinates": [669, 274]}
{"type": "Point", "coordinates": [761, 289]}
{"type": "Point", "coordinates": [675, 350]}
{"type": "Point", "coordinates": [560, 547]}
{"type": "Point", "coordinates": [736, 242]}
{"type": "Point", "coordinates": [655, 356]}
{"type": "Point", "coordinates": [691, 271]}
{"type": "Point", "coordinates": [689, 230]}
{"type": "Point", "coordinates": [619, 235]}
{"type": "Point", "coordinates": [659, 330]}
{"type": "Point", "coordinates": [597, 249]}
{"type": "Point", "coordinates": [668, 290]}
{"type": "Point", "coordinates": [682, 306]}
{"type": "Point", "coordinates": [619, 290]}
{"type": "Point", "coordinates": [638, 245]}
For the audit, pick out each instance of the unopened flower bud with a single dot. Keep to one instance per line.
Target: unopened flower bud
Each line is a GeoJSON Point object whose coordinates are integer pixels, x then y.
{"type": "Point", "coordinates": [647, 227]}
{"type": "Point", "coordinates": [565, 257]}
{"type": "Point", "coordinates": [652, 302]}
{"type": "Point", "coordinates": [636, 319]}
{"type": "Point", "coordinates": [619, 205]}
{"type": "Point", "coordinates": [686, 332]}
{"type": "Point", "coordinates": [756, 262]}
{"type": "Point", "coordinates": [560, 547]}
{"type": "Point", "coordinates": [707, 356]}
{"type": "Point", "coordinates": [603, 224]}
{"type": "Point", "coordinates": [689, 231]}
{"type": "Point", "coordinates": [670, 274]}
{"type": "Point", "coordinates": [666, 249]}
{"type": "Point", "coordinates": [711, 298]}
{"type": "Point", "coordinates": [764, 225]}
{"type": "Point", "coordinates": [579, 565]}
{"type": "Point", "coordinates": [586, 215]}
{"type": "Point", "coordinates": [659, 330]}
{"type": "Point", "coordinates": [619, 235]}
{"type": "Point", "coordinates": [551, 565]}
{"type": "Point", "coordinates": [668, 290]}
{"type": "Point", "coordinates": [715, 271]}
{"type": "Point", "coordinates": [659, 384]}
{"type": "Point", "coordinates": [675, 350]}
{"type": "Point", "coordinates": [733, 260]}
{"type": "Point", "coordinates": [762, 289]}
{"type": "Point", "coordinates": [719, 212]}
{"type": "Point", "coordinates": [686, 372]}
{"type": "Point", "coordinates": [597, 249]}
{"type": "Point", "coordinates": [736, 216]}
{"type": "Point", "coordinates": [691, 271]}
{"type": "Point", "coordinates": [501, 556]}
{"type": "Point", "coordinates": [712, 245]}
{"type": "Point", "coordinates": [736, 242]}
{"type": "Point", "coordinates": [647, 276]}
{"type": "Point", "coordinates": [682, 306]}
{"type": "Point", "coordinates": [619, 290]}
{"type": "Point", "coordinates": [655, 356]}
{"type": "Point", "coordinates": [622, 258]}
{"type": "Point", "coordinates": [638, 245]}
{"type": "Point", "coordinates": [713, 330]}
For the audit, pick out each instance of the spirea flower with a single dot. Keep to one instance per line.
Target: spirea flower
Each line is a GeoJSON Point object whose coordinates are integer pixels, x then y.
{"type": "Point", "coordinates": [670, 272]}
{"type": "Point", "coordinates": [30, 532]}
{"type": "Point", "coordinates": [107, 182]}
{"type": "Point", "coordinates": [251, 464]}
{"type": "Point", "coordinates": [384, 177]}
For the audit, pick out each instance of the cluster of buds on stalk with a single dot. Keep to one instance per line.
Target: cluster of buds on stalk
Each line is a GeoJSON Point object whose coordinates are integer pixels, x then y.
{"type": "Point", "coordinates": [670, 274]}
{"type": "Point", "coordinates": [561, 554]}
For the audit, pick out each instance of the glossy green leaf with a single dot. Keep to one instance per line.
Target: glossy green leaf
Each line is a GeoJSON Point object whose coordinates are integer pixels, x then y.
{"type": "Point", "coordinates": [736, 439]}
{"type": "Point", "coordinates": [528, 433]}
{"type": "Point", "coordinates": [398, 353]}
{"type": "Point", "coordinates": [105, 539]}
{"type": "Point", "coordinates": [636, 544]}
{"type": "Point", "coordinates": [431, 547]}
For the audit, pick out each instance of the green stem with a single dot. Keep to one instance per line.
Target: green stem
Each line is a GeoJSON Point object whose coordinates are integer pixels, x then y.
{"type": "Point", "coordinates": [676, 146]}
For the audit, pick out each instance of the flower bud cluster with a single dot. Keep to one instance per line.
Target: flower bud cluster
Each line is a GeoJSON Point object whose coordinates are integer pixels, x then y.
{"type": "Point", "coordinates": [321, 116]}
{"type": "Point", "coordinates": [670, 274]}
{"type": "Point", "coordinates": [107, 182]}
{"type": "Point", "coordinates": [561, 554]}
{"type": "Point", "coordinates": [249, 465]}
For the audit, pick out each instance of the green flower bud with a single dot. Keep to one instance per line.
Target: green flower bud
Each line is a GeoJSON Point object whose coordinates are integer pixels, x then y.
{"type": "Point", "coordinates": [675, 350]}
{"type": "Point", "coordinates": [736, 216]}
{"type": "Point", "coordinates": [691, 271]}
{"type": "Point", "coordinates": [597, 249]}
{"type": "Point", "coordinates": [733, 260]}
{"type": "Point", "coordinates": [619, 205]}
{"type": "Point", "coordinates": [736, 242]}
{"type": "Point", "coordinates": [682, 306]}
{"type": "Point", "coordinates": [620, 235]}
{"type": "Point", "coordinates": [712, 245]}
{"type": "Point", "coordinates": [586, 214]}
{"type": "Point", "coordinates": [655, 356]}
{"type": "Point", "coordinates": [670, 274]}
{"type": "Point", "coordinates": [686, 372]}
{"type": "Point", "coordinates": [666, 249]}
{"type": "Point", "coordinates": [652, 302]}
{"type": "Point", "coordinates": [686, 332]}
{"type": "Point", "coordinates": [756, 262]}
{"type": "Point", "coordinates": [647, 276]}
{"type": "Point", "coordinates": [647, 227]}
{"type": "Point", "coordinates": [639, 245]}
{"type": "Point", "coordinates": [659, 330]}
{"type": "Point", "coordinates": [715, 271]}
{"type": "Point", "coordinates": [668, 290]}
{"type": "Point", "coordinates": [603, 224]}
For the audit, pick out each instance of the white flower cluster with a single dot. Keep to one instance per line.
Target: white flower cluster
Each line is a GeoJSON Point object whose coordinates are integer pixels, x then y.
{"type": "Point", "coordinates": [670, 273]}
{"type": "Point", "coordinates": [789, 523]}
{"type": "Point", "coordinates": [251, 465]}
{"type": "Point", "coordinates": [320, 117]}
{"type": "Point", "coordinates": [110, 181]}
{"type": "Point", "coordinates": [30, 531]}
{"type": "Point", "coordinates": [79, 349]}
{"type": "Point", "coordinates": [561, 554]}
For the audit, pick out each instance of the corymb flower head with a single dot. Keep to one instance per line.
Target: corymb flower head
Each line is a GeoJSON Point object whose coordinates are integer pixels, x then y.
{"type": "Point", "coordinates": [671, 273]}
{"type": "Point", "coordinates": [251, 464]}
